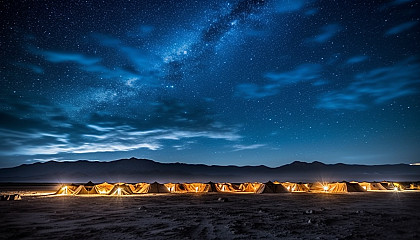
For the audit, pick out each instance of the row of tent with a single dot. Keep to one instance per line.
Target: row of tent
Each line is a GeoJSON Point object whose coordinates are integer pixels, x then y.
{"type": "Point", "coordinates": [256, 187]}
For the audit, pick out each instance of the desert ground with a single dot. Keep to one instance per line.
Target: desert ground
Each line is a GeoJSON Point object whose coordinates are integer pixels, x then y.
{"type": "Point", "coordinates": [368, 215]}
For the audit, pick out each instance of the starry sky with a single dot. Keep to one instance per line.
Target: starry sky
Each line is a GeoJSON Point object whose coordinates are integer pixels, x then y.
{"type": "Point", "coordinates": [248, 82]}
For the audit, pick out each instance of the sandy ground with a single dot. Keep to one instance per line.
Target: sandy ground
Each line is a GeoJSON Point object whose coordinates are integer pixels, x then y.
{"type": "Point", "coordinates": [371, 215]}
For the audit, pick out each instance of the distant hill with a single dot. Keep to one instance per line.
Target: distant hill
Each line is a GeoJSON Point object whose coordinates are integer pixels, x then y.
{"type": "Point", "coordinates": [144, 170]}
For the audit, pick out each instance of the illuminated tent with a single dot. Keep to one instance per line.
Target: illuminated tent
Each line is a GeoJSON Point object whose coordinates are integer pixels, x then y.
{"type": "Point", "coordinates": [252, 187]}
{"type": "Point", "coordinates": [318, 187]}
{"type": "Point", "coordinates": [389, 186]}
{"type": "Point", "coordinates": [270, 187]}
{"type": "Point", "coordinates": [197, 187]}
{"type": "Point", "coordinates": [175, 187]}
{"type": "Point", "coordinates": [414, 186]}
{"type": "Point", "coordinates": [121, 189]}
{"type": "Point", "coordinates": [344, 187]}
{"type": "Point", "coordinates": [157, 188]}
{"type": "Point", "coordinates": [372, 186]}
{"type": "Point", "coordinates": [401, 186]}
{"type": "Point", "coordinates": [226, 187]}
{"type": "Point", "coordinates": [82, 189]}
{"type": "Point", "coordinates": [296, 187]}
{"type": "Point", "coordinates": [140, 187]}
{"type": "Point", "coordinates": [104, 188]}
{"type": "Point", "coordinates": [66, 190]}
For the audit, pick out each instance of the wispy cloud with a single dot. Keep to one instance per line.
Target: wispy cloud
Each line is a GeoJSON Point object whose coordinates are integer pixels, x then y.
{"type": "Point", "coordinates": [286, 6]}
{"type": "Point", "coordinates": [58, 57]}
{"type": "Point", "coordinates": [105, 139]}
{"type": "Point", "coordinates": [357, 59]}
{"type": "Point", "coordinates": [326, 33]}
{"type": "Point", "coordinates": [375, 87]}
{"type": "Point", "coordinates": [240, 147]}
{"type": "Point", "coordinates": [401, 28]}
{"type": "Point", "coordinates": [302, 73]}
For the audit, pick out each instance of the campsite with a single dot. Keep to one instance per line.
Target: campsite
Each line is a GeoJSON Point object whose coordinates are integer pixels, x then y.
{"type": "Point", "coordinates": [269, 210]}
{"type": "Point", "coordinates": [385, 214]}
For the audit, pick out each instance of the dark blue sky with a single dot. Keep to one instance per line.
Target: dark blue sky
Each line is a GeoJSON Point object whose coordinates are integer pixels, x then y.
{"type": "Point", "coordinates": [217, 82]}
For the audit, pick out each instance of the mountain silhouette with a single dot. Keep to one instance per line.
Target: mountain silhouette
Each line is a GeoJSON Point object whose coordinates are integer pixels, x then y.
{"type": "Point", "coordinates": [143, 170]}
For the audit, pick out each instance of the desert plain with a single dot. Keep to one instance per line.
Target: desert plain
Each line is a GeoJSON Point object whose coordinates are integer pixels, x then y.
{"type": "Point", "coordinates": [364, 215]}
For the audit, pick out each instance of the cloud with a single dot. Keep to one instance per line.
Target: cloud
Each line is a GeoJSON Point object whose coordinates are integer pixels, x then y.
{"type": "Point", "coordinates": [284, 6]}
{"type": "Point", "coordinates": [357, 59]}
{"type": "Point", "coordinates": [327, 32]}
{"type": "Point", "coordinates": [34, 68]}
{"type": "Point", "coordinates": [302, 73]}
{"type": "Point", "coordinates": [105, 139]}
{"type": "Point", "coordinates": [375, 87]}
{"type": "Point", "coordinates": [58, 57]}
{"type": "Point", "coordinates": [239, 147]}
{"type": "Point", "coordinates": [44, 129]}
{"type": "Point", "coordinates": [401, 28]}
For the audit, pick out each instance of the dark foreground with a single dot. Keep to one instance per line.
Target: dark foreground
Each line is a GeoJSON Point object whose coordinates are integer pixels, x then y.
{"type": "Point", "coordinates": [371, 215]}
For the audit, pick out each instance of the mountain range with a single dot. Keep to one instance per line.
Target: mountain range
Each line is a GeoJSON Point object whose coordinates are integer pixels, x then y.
{"type": "Point", "coordinates": [143, 170]}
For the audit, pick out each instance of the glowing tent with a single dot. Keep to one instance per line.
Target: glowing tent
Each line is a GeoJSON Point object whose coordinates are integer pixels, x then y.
{"type": "Point", "coordinates": [157, 188]}
{"type": "Point", "coordinates": [197, 187]}
{"type": "Point", "coordinates": [344, 187]}
{"type": "Point", "coordinates": [175, 187]}
{"type": "Point", "coordinates": [121, 189]}
{"type": "Point", "coordinates": [226, 187]}
{"type": "Point", "coordinates": [104, 188]}
{"type": "Point", "coordinates": [414, 186]}
{"type": "Point", "coordinates": [270, 187]}
{"type": "Point", "coordinates": [66, 190]}
{"type": "Point", "coordinates": [296, 187]}
{"type": "Point", "coordinates": [318, 187]}
{"type": "Point", "coordinates": [82, 189]}
{"type": "Point", "coordinates": [140, 187]}
{"type": "Point", "coordinates": [372, 186]}
{"type": "Point", "coordinates": [252, 187]}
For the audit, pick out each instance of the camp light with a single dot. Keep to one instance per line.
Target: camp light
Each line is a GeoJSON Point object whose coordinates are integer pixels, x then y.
{"type": "Point", "coordinates": [395, 189]}
{"type": "Point", "coordinates": [119, 191]}
{"type": "Point", "coordinates": [325, 188]}
{"type": "Point", "coordinates": [64, 190]}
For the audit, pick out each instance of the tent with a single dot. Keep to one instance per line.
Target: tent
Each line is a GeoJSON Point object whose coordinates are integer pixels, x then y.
{"type": "Point", "coordinates": [270, 187]}
{"type": "Point", "coordinates": [104, 188]}
{"type": "Point", "coordinates": [121, 189]}
{"type": "Point", "coordinates": [226, 187]}
{"type": "Point", "coordinates": [197, 187]}
{"type": "Point", "coordinates": [175, 187]}
{"type": "Point", "coordinates": [249, 187]}
{"type": "Point", "coordinates": [318, 187]}
{"type": "Point", "coordinates": [296, 187]}
{"type": "Point", "coordinates": [157, 188]}
{"type": "Point", "coordinates": [344, 187]}
{"type": "Point", "coordinates": [82, 189]}
{"type": "Point", "coordinates": [140, 187]}
{"type": "Point", "coordinates": [372, 186]}
{"type": "Point", "coordinates": [389, 185]}
{"type": "Point", "coordinates": [66, 190]}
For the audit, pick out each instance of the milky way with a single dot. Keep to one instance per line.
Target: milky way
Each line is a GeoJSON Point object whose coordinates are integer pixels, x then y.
{"type": "Point", "coordinates": [245, 82]}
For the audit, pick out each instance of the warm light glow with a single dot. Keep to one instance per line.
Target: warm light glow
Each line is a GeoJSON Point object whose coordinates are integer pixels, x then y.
{"type": "Point", "coordinates": [395, 189]}
{"type": "Point", "coordinates": [364, 187]}
{"type": "Point", "coordinates": [119, 191]}
{"type": "Point", "coordinates": [325, 188]}
{"type": "Point", "coordinates": [196, 189]}
{"type": "Point", "coordinates": [65, 190]}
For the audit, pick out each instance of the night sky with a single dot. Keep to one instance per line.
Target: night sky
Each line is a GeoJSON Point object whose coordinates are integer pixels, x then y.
{"type": "Point", "coordinates": [246, 82]}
